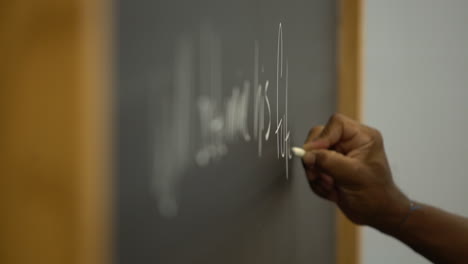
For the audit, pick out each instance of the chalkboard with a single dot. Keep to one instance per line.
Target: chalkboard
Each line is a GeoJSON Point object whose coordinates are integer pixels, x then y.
{"type": "Point", "coordinates": [211, 95]}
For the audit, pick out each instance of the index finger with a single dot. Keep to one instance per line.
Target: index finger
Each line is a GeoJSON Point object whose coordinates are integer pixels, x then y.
{"type": "Point", "coordinates": [314, 133]}
{"type": "Point", "coordinates": [339, 129]}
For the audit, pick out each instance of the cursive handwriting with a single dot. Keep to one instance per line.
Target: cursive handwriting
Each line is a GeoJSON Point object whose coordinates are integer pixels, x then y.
{"type": "Point", "coordinates": [222, 119]}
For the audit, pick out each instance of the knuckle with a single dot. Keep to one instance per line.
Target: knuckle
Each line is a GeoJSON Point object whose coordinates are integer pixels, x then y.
{"type": "Point", "coordinates": [357, 168]}
{"type": "Point", "coordinates": [316, 130]}
{"type": "Point", "coordinates": [376, 135]}
{"type": "Point", "coordinates": [336, 117]}
{"type": "Point", "coordinates": [321, 158]}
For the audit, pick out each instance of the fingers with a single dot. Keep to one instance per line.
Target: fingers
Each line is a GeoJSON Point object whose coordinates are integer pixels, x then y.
{"type": "Point", "coordinates": [336, 165]}
{"type": "Point", "coordinates": [338, 129]}
{"type": "Point", "coordinates": [323, 188]}
{"type": "Point", "coordinates": [314, 133]}
{"type": "Point", "coordinates": [323, 185]}
{"type": "Point", "coordinates": [311, 173]}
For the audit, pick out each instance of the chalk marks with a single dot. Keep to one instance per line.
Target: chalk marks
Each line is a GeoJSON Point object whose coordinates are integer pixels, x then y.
{"type": "Point", "coordinates": [220, 119]}
{"type": "Point", "coordinates": [279, 73]}
{"type": "Point", "coordinates": [224, 125]}
{"type": "Point", "coordinates": [223, 120]}
{"type": "Point", "coordinates": [283, 145]}
{"type": "Point", "coordinates": [229, 124]}
{"type": "Point", "coordinates": [173, 143]}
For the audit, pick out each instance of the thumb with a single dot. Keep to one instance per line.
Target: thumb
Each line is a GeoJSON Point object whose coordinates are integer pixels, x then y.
{"type": "Point", "coordinates": [337, 165]}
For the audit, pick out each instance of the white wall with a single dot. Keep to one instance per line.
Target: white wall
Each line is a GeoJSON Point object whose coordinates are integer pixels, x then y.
{"type": "Point", "coordinates": [416, 93]}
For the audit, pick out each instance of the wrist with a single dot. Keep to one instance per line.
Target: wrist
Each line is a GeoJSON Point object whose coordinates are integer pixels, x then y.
{"type": "Point", "coordinates": [393, 212]}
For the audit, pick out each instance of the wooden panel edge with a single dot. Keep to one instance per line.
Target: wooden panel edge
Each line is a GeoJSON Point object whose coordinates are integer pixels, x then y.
{"type": "Point", "coordinates": [350, 34]}
{"type": "Point", "coordinates": [54, 132]}
{"type": "Point", "coordinates": [96, 107]}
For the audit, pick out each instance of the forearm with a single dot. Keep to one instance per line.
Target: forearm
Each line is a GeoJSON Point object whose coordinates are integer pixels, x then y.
{"type": "Point", "coordinates": [439, 236]}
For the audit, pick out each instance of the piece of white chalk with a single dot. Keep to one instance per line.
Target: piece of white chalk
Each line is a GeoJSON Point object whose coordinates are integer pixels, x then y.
{"type": "Point", "coordinates": [300, 152]}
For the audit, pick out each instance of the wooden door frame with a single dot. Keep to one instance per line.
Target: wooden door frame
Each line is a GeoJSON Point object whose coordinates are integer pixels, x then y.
{"type": "Point", "coordinates": [54, 132]}
{"type": "Point", "coordinates": [350, 52]}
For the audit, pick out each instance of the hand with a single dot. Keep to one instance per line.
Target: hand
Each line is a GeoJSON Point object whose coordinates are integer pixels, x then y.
{"type": "Point", "coordinates": [346, 163]}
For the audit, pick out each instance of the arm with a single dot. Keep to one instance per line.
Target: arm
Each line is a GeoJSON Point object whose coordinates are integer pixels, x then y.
{"type": "Point", "coordinates": [439, 236]}
{"type": "Point", "coordinates": [346, 163]}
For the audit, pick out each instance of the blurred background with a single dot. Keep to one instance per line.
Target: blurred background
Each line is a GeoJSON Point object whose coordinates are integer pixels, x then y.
{"type": "Point", "coordinates": [55, 83]}
{"type": "Point", "coordinates": [415, 90]}
{"type": "Point", "coordinates": [86, 89]}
